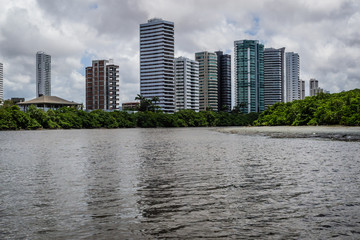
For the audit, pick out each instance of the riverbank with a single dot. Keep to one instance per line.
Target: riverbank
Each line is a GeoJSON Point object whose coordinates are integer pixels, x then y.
{"type": "Point", "coordinates": [339, 133]}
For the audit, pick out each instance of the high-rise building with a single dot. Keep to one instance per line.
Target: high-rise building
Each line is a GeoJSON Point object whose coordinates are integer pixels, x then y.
{"type": "Point", "coordinates": [249, 75]}
{"type": "Point", "coordinates": [157, 62]}
{"type": "Point", "coordinates": [102, 85]}
{"type": "Point", "coordinates": [274, 76]}
{"type": "Point", "coordinates": [224, 81]}
{"type": "Point", "coordinates": [292, 76]}
{"type": "Point", "coordinates": [1, 82]}
{"type": "Point", "coordinates": [186, 84]}
{"type": "Point", "coordinates": [314, 87]}
{"type": "Point", "coordinates": [43, 74]}
{"type": "Point", "coordinates": [302, 89]}
{"type": "Point", "coordinates": [208, 80]}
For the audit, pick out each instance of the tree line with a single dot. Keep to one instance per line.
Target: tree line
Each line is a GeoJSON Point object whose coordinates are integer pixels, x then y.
{"type": "Point", "coordinates": [324, 109]}
{"type": "Point", "coordinates": [12, 118]}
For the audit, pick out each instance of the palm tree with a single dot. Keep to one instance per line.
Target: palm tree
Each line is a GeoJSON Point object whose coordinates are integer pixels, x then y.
{"type": "Point", "coordinates": [140, 97]}
{"type": "Point", "coordinates": [145, 104]}
{"type": "Point", "coordinates": [155, 100]}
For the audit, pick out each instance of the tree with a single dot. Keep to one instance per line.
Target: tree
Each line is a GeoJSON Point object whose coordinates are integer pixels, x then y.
{"type": "Point", "coordinates": [154, 107]}
{"type": "Point", "coordinates": [144, 103]}
{"type": "Point", "coordinates": [147, 104]}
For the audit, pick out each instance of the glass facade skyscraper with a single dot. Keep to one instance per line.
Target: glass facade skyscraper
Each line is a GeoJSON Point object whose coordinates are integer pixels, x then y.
{"type": "Point", "coordinates": [274, 76]}
{"type": "Point", "coordinates": [249, 75]}
{"type": "Point", "coordinates": [157, 62]}
{"type": "Point", "coordinates": [43, 74]}
{"type": "Point", "coordinates": [208, 80]}
{"type": "Point", "coordinates": [224, 81]}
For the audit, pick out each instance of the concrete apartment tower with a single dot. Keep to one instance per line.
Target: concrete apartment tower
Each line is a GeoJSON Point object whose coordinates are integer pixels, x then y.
{"type": "Point", "coordinates": [1, 83]}
{"type": "Point", "coordinates": [157, 62]}
{"type": "Point", "coordinates": [301, 89]}
{"type": "Point", "coordinates": [292, 76]}
{"type": "Point", "coordinates": [186, 84]}
{"type": "Point", "coordinates": [102, 85]}
{"type": "Point", "coordinates": [314, 87]}
{"type": "Point", "coordinates": [249, 75]}
{"type": "Point", "coordinates": [274, 76]}
{"type": "Point", "coordinates": [43, 74]}
{"type": "Point", "coordinates": [224, 81]}
{"type": "Point", "coordinates": [208, 80]}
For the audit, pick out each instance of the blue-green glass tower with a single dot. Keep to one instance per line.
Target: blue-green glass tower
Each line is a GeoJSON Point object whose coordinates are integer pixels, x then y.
{"type": "Point", "coordinates": [249, 75]}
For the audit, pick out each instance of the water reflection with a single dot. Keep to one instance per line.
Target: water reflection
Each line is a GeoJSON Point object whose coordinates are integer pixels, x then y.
{"type": "Point", "coordinates": [179, 183]}
{"type": "Point", "coordinates": [157, 180]}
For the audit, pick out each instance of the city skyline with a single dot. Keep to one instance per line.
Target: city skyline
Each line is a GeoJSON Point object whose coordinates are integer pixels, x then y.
{"type": "Point", "coordinates": [324, 34]}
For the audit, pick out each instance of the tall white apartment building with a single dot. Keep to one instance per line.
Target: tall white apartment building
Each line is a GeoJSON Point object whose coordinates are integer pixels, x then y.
{"type": "Point", "coordinates": [43, 74]}
{"type": "Point", "coordinates": [157, 62]}
{"type": "Point", "coordinates": [274, 75]}
{"type": "Point", "coordinates": [292, 76]}
{"type": "Point", "coordinates": [186, 84]}
{"type": "Point", "coordinates": [1, 82]}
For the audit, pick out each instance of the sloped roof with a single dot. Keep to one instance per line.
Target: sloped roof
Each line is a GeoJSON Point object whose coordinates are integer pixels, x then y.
{"type": "Point", "coordinates": [48, 100]}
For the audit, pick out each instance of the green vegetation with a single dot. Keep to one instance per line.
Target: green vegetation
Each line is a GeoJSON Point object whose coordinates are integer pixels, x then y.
{"type": "Point", "coordinates": [12, 118]}
{"type": "Point", "coordinates": [324, 109]}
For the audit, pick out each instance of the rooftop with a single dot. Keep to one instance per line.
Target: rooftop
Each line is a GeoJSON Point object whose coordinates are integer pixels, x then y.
{"type": "Point", "coordinates": [49, 100]}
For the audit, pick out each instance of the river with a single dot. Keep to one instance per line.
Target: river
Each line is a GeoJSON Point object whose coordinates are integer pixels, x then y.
{"type": "Point", "coordinates": [176, 183]}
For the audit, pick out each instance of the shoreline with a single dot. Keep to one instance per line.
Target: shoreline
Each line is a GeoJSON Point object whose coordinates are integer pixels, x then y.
{"type": "Point", "coordinates": [337, 133]}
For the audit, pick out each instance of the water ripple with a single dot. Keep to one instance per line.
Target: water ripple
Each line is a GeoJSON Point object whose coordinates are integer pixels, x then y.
{"type": "Point", "coordinates": [176, 183]}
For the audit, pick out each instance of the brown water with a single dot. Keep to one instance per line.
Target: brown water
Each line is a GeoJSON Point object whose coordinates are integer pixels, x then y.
{"type": "Point", "coordinates": [176, 183]}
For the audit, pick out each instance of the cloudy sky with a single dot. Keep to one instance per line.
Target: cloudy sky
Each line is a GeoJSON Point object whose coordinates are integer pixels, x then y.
{"type": "Point", "coordinates": [325, 33]}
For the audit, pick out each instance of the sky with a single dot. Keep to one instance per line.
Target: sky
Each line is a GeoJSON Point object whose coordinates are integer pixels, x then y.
{"type": "Point", "coordinates": [325, 34]}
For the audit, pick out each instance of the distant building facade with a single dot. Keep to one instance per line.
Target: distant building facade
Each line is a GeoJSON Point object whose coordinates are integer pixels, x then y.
{"type": "Point", "coordinates": [274, 76]}
{"type": "Point", "coordinates": [249, 75]}
{"type": "Point", "coordinates": [314, 87]}
{"type": "Point", "coordinates": [130, 106]}
{"type": "Point", "coordinates": [17, 100]}
{"type": "Point", "coordinates": [186, 84]}
{"type": "Point", "coordinates": [292, 76]}
{"type": "Point", "coordinates": [208, 80]}
{"type": "Point", "coordinates": [1, 83]}
{"type": "Point", "coordinates": [224, 81]}
{"type": "Point", "coordinates": [43, 74]}
{"type": "Point", "coordinates": [302, 89]}
{"type": "Point", "coordinates": [157, 62]}
{"type": "Point", "coordinates": [102, 85]}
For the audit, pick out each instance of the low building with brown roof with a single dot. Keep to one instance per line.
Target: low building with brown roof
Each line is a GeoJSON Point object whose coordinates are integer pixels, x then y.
{"type": "Point", "coordinates": [48, 102]}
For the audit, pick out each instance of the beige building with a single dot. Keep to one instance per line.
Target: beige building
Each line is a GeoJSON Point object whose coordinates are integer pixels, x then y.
{"type": "Point", "coordinates": [130, 106]}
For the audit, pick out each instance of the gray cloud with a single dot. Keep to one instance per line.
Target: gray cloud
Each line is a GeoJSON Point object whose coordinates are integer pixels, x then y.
{"type": "Point", "coordinates": [324, 33]}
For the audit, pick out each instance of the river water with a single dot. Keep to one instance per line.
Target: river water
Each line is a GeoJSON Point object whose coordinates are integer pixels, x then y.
{"type": "Point", "coordinates": [176, 183]}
